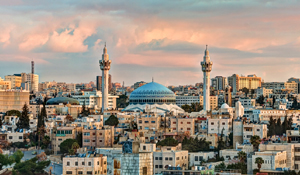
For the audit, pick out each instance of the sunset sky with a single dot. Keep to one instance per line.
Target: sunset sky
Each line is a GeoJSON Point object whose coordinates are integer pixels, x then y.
{"type": "Point", "coordinates": [164, 39]}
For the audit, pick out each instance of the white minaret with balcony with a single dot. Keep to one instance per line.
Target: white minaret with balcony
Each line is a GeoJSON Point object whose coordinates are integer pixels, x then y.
{"type": "Point", "coordinates": [105, 66]}
{"type": "Point", "coordinates": [206, 69]}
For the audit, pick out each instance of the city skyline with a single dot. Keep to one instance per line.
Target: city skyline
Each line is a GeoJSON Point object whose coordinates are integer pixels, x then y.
{"type": "Point", "coordinates": [148, 39]}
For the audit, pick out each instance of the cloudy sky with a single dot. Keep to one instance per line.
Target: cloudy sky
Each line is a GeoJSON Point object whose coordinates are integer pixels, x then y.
{"type": "Point", "coordinates": [150, 38]}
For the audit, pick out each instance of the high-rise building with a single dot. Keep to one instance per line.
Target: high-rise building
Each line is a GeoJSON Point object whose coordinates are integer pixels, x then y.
{"type": "Point", "coordinates": [15, 80]}
{"type": "Point", "coordinates": [239, 82]}
{"type": "Point", "coordinates": [27, 80]}
{"type": "Point", "coordinates": [105, 66]}
{"type": "Point", "coordinates": [206, 69]}
{"type": "Point", "coordinates": [219, 83]}
{"type": "Point", "coordinates": [99, 83]}
{"type": "Point", "coordinates": [297, 80]}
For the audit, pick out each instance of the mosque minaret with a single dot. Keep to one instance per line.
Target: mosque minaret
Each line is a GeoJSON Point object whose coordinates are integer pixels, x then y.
{"type": "Point", "coordinates": [105, 66]}
{"type": "Point", "coordinates": [206, 69]}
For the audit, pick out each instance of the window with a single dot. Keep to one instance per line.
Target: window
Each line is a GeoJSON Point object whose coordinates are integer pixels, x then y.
{"type": "Point", "coordinates": [212, 123]}
{"type": "Point", "coordinates": [188, 122]}
{"type": "Point", "coordinates": [160, 158]}
{"type": "Point", "coordinates": [80, 172]}
{"type": "Point", "coordinates": [83, 163]}
{"type": "Point", "coordinates": [156, 158]}
{"type": "Point", "coordinates": [98, 163]}
{"type": "Point", "coordinates": [86, 140]}
{"type": "Point", "coordinates": [297, 149]}
{"type": "Point", "coordinates": [177, 158]}
{"type": "Point", "coordinates": [160, 166]}
{"type": "Point", "coordinates": [144, 147]}
{"type": "Point", "coordinates": [89, 172]}
{"type": "Point", "coordinates": [69, 172]}
{"type": "Point", "coordinates": [76, 163]}
{"type": "Point", "coordinates": [174, 122]}
{"type": "Point", "coordinates": [196, 158]}
{"type": "Point", "coordinates": [188, 129]}
{"type": "Point", "coordinates": [223, 123]}
{"type": "Point", "coordinates": [257, 130]}
{"type": "Point", "coordinates": [101, 133]}
{"type": "Point", "coordinates": [90, 163]}
{"type": "Point", "coordinates": [156, 166]}
{"type": "Point", "coordinates": [170, 158]}
{"type": "Point", "coordinates": [86, 133]}
{"type": "Point", "coordinates": [59, 139]}
{"type": "Point", "coordinates": [10, 137]}
{"type": "Point", "coordinates": [140, 121]}
{"type": "Point", "coordinates": [68, 163]}
{"type": "Point", "coordinates": [146, 121]}
{"type": "Point", "coordinates": [296, 166]}
{"type": "Point", "coordinates": [152, 121]}
{"type": "Point", "coordinates": [20, 137]}
{"type": "Point", "coordinates": [144, 170]}
{"type": "Point", "coordinates": [166, 158]}
{"type": "Point", "coordinates": [104, 162]}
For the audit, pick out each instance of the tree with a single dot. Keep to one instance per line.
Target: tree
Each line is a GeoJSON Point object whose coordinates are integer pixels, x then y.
{"type": "Point", "coordinates": [1, 123]}
{"type": "Point", "coordinates": [18, 155]}
{"type": "Point", "coordinates": [42, 156]}
{"type": "Point", "coordinates": [261, 100]}
{"type": "Point", "coordinates": [295, 105]}
{"type": "Point", "coordinates": [290, 123]}
{"type": "Point", "coordinates": [186, 108]}
{"type": "Point", "coordinates": [13, 113]}
{"type": "Point", "coordinates": [24, 118]}
{"type": "Point", "coordinates": [273, 100]}
{"type": "Point", "coordinates": [31, 167]}
{"type": "Point", "coordinates": [42, 115]}
{"type": "Point", "coordinates": [6, 160]}
{"type": "Point", "coordinates": [195, 145]}
{"type": "Point", "coordinates": [169, 141]}
{"type": "Point", "coordinates": [79, 139]}
{"type": "Point", "coordinates": [46, 141]}
{"type": "Point", "coordinates": [66, 145]}
{"type": "Point", "coordinates": [221, 143]}
{"type": "Point", "coordinates": [272, 127]}
{"type": "Point", "coordinates": [85, 111]}
{"type": "Point", "coordinates": [75, 146]}
{"type": "Point", "coordinates": [246, 91]}
{"type": "Point", "coordinates": [255, 141]}
{"type": "Point", "coordinates": [181, 136]}
{"type": "Point", "coordinates": [122, 101]}
{"type": "Point", "coordinates": [242, 156]}
{"type": "Point", "coordinates": [259, 161]}
{"type": "Point", "coordinates": [278, 127]}
{"type": "Point", "coordinates": [285, 125]}
{"type": "Point", "coordinates": [112, 121]}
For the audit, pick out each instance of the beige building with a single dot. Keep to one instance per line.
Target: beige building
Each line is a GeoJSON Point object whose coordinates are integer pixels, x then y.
{"type": "Point", "coordinates": [213, 102]}
{"type": "Point", "coordinates": [215, 126]}
{"type": "Point", "coordinates": [13, 100]}
{"type": "Point", "coordinates": [15, 137]}
{"type": "Point", "coordinates": [263, 91]}
{"type": "Point", "coordinates": [196, 158]}
{"type": "Point", "coordinates": [61, 134]}
{"type": "Point", "coordinates": [4, 84]}
{"type": "Point", "coordinates": [149, 122]}
{"type": "Point", "coordinates": [93, 164]}
{"type": "Point", "coordinates": [181, 125]}
{"type": "Point", "coordinates": [293, 86]}
{"type": "Point", "coordinates": [15, 80]}
{"type": "Point", "coordinates": [272, 160]}
{"type": "Point", "coordinates": [164, 159]}
{"type": "Point", "coordinates": [94, 138]}
{"type": "Point", "coordinates": [239, 82]}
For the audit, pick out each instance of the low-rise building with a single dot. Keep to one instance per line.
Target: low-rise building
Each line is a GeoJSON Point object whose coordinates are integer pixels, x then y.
{"type": "Point", "coordinates": [94, 164]}
{"type": "Point", "coordinates": [94, 138]}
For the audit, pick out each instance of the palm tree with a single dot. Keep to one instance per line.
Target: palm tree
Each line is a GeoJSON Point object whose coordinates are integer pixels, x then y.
{"type": "Point", "coordinates": [255, 141]}
{"type": "Point", "coordinates": [259, 161]}
{"type": "Point", "coordinates": [242, 156]}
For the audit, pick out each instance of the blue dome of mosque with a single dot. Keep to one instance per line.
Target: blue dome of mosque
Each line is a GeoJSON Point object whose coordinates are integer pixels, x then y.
{"type": "Point", "coordinates": [152, 93]}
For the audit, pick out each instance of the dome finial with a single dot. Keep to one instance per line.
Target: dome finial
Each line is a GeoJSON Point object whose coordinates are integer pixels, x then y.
{"type": "Point", "coordinates": [152, 79]}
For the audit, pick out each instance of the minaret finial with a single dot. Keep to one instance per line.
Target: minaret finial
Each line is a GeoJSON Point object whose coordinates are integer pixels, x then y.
{"type": "Point", "coordinates": [105, 44]}
{"type": "Point", "coordinates": [152, 79]}
{"type": "Point", "coordinates": [206, 46]}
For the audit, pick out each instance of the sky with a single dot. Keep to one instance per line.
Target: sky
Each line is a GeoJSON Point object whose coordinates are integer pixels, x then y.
{"type": "Point", "coordinates": [150, 38]}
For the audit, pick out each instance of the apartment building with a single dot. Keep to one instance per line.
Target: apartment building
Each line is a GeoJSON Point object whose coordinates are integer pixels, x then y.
{"type": "Point", "coordinates": [86, 163]}
{"type": "Point", "coordinates": [15, 80]}
{"type": "Point", "coordinates": [247, 102]}
{"type": "Point", "coordinates": [93, 138]}
{"type": "Point", "coordinates": [149, 122]}
{"type": "Point", "coordinates": [219, 83]}
{"type": "Point", "coordinates": [13, 100]}
{"type": "Point", "coordinates": [216, 125]}
{"type": "Point", "coordinates": [4, 85]}
{"type": "Point", "coordinates": [213, 100]}
{"type": "Point", "coordinates": [13, 137]}
{"type": "Point", "coordinates": [239, 82]}
{"type": "Point", "coordinates": [264, 115]}
{"type": "Point", "coordinates": [195, 158]}
{"type": "Point", "coordinates": [262, 91]}
{"type": "Point", "coordinates": [181, 125]}
{"type": "Point", "coordinates": [61, 134]}
{"type": "Point", "coordinates": [165, 159]}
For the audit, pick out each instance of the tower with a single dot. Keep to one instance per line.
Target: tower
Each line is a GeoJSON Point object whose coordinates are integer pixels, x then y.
{"type": "Point", "coordinates": [105, 66]}
{"type": "Point", "coordinates": [32, 77]}
{"type": "Point", "coordinates": [206, 69]}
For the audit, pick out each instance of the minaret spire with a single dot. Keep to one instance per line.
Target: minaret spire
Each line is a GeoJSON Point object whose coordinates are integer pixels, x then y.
{"type": "Point", "coordinates": [105, 66]}
{"type": "Point", "coordinates": [206, 69]}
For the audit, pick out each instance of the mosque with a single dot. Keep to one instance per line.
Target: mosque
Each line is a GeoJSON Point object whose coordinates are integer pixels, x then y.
{"type": "Point", "coordinates": [153, 97]}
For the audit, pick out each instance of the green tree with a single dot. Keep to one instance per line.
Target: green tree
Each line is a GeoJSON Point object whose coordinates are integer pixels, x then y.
{"type": "Point", "coordinates": [290, 123]}
{"type": "Point", "coordinates": [24, 118]}
{"type": "Point", "coordinates": [220, 167]}
{"type": "Point", "coordinates": [221, 142]}
{"type": "Point", "coordinates": [242, 156]}
{"type": "Point", "coordinates": [272, 127]}
{"type": "Point", "coordinates": [6, 160]}
{"type": "Point", "coordinates": [195, 145]}
{"type": "Point", "coordinates": [66, 145]}
{"type": "Point", "coordinates": [295, 105]}
{"type": "Point", "coordinates": [259, 161]}
{"type": "Point", "coordinates": [169, 141]}
{"type": "Point", "coordinates": [13, 113]}
{"type": "Point", "coordinates": [85, 111]}
{"type": "Point", "coordinates": [46, 141]}
{"type": "Point", "coordinates": [278, 127]}
{"type": "Point", "coordinates": [255, 141]}
{"type": "Point", "coordinates": [112, 121]}
{"type": "Point", "coordinates": [30, 167]}
{"type": "Point", "coordinates": [187, 108]}
{"type": "Point", "coordinates": [18, 155]}
{"type": "Point", "coordinates": [261, 100]}
{"type": "Point", "coordinates": [246, 91]}
{"type": "Point", "coordinates": [273, 101]}
{"type": "Point", "coordinates": [1, 123]}
{"type": "Point", "coordinates": [42, 115]}
{"type": "Point", "coordinates": [122, 101]}
{"type": "Point", "coordinates": [79, 139]}
{"type": "Point", "coordinates": [285, 124]}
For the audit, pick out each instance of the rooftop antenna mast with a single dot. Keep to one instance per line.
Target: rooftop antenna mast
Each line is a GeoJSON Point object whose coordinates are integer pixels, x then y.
{"type": "Point", "coordinates": [32, 76]}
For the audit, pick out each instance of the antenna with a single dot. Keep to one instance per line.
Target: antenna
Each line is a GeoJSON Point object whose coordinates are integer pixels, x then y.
{"type": "Point", "coordinates": [32, 75]}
